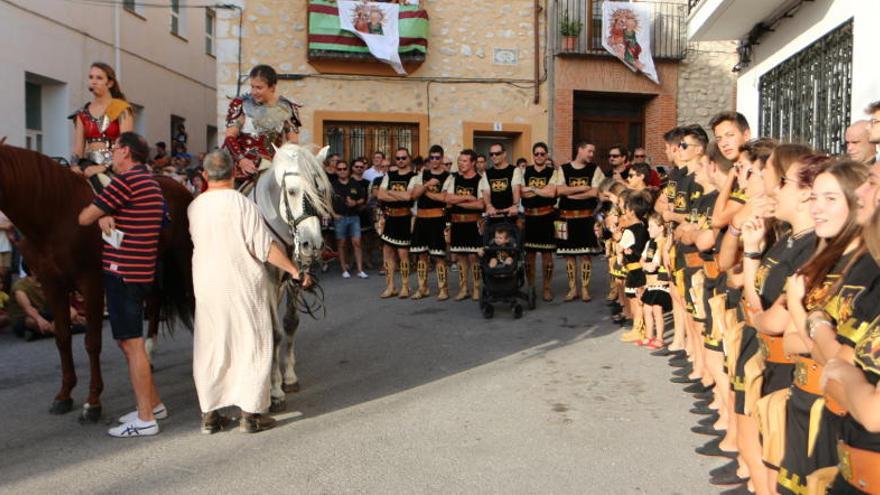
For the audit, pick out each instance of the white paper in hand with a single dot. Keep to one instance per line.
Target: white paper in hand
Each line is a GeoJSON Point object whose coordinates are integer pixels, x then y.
{"type": "Point", "coordinates": [114, 238]}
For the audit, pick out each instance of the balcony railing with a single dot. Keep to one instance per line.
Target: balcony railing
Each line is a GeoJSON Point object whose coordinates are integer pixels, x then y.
{"type": "Point", "coordinates": [668, 28]}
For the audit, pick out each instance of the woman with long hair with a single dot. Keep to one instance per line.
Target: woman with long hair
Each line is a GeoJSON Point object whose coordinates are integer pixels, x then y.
{"type": "Point", "coordinates": [100, 122]}
{"type": "Point", "coordinates": [766, 267]}
{"type": "Point", "coordinates": [822, 302]}
{"type": "Point", "coordinates": [854, 382]}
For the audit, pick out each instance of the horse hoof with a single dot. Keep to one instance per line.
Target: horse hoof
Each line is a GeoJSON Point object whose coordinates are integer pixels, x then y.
{"type": "Point", "coordinates": [90, 414]}
{"type": "Point", "coordinates": [278, 406]}
{"type": "Point", "coordinates": [61, 406]}
{"type": "Point", "coordinates": [291, 388]}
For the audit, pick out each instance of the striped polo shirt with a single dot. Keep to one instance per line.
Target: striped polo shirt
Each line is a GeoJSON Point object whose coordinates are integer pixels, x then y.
{"type": "Point", "coordinates": [138, 208]}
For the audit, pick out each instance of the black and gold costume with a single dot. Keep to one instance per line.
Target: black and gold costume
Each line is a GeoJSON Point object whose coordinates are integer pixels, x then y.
{"type": "Point", "coordinates": [540, 213]}
{"type": "Point", "coordinates": [464, 230]}
{"type": "Point", "coordinates": [580, 238]}
{"type": "Point", "coordinates": [398, 214]}
{"type": "Point", "coordinates": [428, 231]}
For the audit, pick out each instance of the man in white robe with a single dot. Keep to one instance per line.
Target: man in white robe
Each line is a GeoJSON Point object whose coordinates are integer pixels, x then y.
{"type": "Point", "coordinates": [232, 350]}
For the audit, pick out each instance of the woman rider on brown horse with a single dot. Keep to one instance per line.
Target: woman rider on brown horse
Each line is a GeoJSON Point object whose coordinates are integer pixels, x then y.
{"type": "Point", "coordinates": [99, 123]}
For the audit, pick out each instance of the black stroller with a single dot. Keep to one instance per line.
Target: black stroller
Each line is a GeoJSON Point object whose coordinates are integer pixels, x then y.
{"type": "Point", "coordinates": [503, 283]}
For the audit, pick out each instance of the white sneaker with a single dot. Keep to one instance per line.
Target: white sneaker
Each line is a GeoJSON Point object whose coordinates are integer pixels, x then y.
{"type": "Point", "coordinates": [363, 275]}
{"type": "Point", "coordinates": [134, 429]}
{"type": "Point", "coordinates": [345, 274]}
{"type": "Point", "coordinates": [160, 412]}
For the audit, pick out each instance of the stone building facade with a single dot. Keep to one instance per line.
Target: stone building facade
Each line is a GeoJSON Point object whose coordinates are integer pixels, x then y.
{"type": "Point", "coordinates": [166, 69]}
{"type": "Point", "coordinates": [707, 82]}
{"type": "Point", "coordinates": [476, 85]}
{"type": "Point", "coordinates": [497, 73]}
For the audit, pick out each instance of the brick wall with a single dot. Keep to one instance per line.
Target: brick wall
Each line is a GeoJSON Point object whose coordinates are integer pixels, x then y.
{"type": "Point", "coordinates": [609, 75]}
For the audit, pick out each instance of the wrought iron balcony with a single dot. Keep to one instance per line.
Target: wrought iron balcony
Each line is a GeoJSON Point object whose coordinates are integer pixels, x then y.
{"type": "Point", "coordinates": [584, 18]}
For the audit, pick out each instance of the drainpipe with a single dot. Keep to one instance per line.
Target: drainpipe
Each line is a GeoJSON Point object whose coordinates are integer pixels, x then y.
{"type": "Point", "coordinates": [117, 54]}
{"type": "Point", "coordinates": [537, 63]}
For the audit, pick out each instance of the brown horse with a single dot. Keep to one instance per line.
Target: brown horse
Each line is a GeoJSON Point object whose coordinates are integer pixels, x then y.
{"type": "Point", "coordinates": [43, 200]}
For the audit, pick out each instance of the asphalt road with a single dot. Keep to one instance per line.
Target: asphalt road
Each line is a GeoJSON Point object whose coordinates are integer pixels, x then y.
{"type": "Point", "coordinates": [397, 397]}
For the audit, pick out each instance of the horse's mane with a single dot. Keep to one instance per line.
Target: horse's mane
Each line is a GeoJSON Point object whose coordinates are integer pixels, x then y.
{"type": "Point", "coordinates": [317, 191]}
{"type": "Point", "coordinates": [33, 181]}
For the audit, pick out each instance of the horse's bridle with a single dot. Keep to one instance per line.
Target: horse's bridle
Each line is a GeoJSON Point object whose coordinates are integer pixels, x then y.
{"type": "Point", "coordinates": [313, 304]}
{"type": "Point", "coordinates": [293, 223]}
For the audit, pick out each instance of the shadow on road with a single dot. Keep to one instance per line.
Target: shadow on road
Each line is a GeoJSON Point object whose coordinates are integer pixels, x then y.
{"type": "Point", "coordinates": [366, 349]}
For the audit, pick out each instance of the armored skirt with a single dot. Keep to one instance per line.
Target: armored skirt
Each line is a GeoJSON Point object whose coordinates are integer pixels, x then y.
{"type": "Point", "coordinates": [397, 231]}
{"type": "Point", "coordinates": [465, 238]}
{"type": "Point", "coordinates": [580, 238]}
{"type": "Point", "coordinates": [539, 233]}
{"type": "Point", "coordinates": [428, 236]}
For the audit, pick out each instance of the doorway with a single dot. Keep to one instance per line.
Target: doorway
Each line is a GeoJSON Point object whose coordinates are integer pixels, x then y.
{"type": "Point", "coordinates": [483, 142]}
{"type": "Point", "coordinates": [607, 119]}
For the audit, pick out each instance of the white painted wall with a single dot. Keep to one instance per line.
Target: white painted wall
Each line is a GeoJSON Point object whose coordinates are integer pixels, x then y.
{"type": "Point", "coordinates": [811, 22]}
{"type": "Point", "coordinates": [59, 40]}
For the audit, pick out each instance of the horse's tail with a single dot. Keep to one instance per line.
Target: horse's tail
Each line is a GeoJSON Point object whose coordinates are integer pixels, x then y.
{"type": "Point", "coordinates": [176, 296]}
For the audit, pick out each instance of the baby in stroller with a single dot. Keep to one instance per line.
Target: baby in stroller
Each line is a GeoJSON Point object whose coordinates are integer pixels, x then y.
{"type": "Point", "coordinates": [501, 249]}
{"type": "Point", "coordinates": [503, 269]}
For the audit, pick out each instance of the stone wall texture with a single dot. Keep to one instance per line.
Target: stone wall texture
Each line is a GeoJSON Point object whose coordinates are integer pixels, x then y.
{"type": "Point", "coordinates": [459, 46]}
{"type": "Point", "coordinates": [462, 46]}
{"type": "Point", "coordinates": [707, 83]}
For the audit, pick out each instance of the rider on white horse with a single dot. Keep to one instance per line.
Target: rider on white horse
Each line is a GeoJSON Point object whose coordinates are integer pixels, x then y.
{"type": "Point", "coordinates": [258, 122]}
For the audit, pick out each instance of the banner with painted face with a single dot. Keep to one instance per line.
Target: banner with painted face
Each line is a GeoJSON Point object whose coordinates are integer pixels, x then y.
{"type": "Point", "coordinates": [377, 25]}
{"type": "Point", "coordinates": [626, 34]}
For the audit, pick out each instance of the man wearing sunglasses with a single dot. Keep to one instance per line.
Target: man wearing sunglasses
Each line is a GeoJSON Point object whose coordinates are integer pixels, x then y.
{"type": "Point", "coordinates": [500, 188]}
{"type": "Point", "coordinates": [539, 201]}
{"type": "Point", "coordinates": [395, 193]}
{"type": "Point", "coordinates": [429, 232]}
{"type": "Point", "coordinates": [369, 240]}
{"type": "Point", "coordinates": [575, 232]}
{"type": "Point", "coordinates": [348, 197]}
{"type": "Point", "coordinates": [618, 159]}
{"type": "Point", "coordinates": [690, 151]}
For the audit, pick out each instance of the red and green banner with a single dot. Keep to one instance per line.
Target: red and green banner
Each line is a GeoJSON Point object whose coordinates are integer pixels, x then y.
{"type": "Point", "coordinates": [327, 39]}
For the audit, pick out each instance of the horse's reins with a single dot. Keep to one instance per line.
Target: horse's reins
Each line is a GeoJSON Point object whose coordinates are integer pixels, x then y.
{"type": "Point", "coordinates": [300, 301]}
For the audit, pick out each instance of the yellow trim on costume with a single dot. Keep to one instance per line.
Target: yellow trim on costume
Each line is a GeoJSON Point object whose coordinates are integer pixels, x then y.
{"type": "Point", "coordinates": [116, 108]}
{"type": "Point", "coordinates": [854, 333]}
{"type": "Point", "coordinates": [792, 482]}
{"type": "Point", "coordinates": [815, 420]}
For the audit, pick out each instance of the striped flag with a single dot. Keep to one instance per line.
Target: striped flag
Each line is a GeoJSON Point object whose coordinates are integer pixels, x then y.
{"type": "Point", "coordinates": [328, 40]}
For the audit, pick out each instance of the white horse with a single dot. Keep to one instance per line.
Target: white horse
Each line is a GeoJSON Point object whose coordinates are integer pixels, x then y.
{"type": "Point", "coordinates": [293, 193]}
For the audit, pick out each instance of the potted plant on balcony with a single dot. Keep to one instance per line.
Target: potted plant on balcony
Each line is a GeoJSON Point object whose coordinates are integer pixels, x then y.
{"type": "Point", "coordinates": [570, 31]}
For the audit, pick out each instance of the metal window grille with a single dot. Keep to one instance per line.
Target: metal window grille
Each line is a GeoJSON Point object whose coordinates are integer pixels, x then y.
{"type": "Point", "coordinates": [354, 139]}
{"type": "Point", "coordinates": [807, 97]}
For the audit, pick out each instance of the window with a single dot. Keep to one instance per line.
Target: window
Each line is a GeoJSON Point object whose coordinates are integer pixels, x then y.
{"type": "Point", "coordinates": [33, 116]}
{"type": "Point", "coordinates": [211, 138]}
{"type": "Point", "coordinates": [807, 97]}
{"type": "Point", "coordinates": [354, 139]}
{"type": "Point", "coordinates": [209, 31]}
{"type": "Point", "coordinates": [177, 23]}
{"type": "Point", "coordinates": [179, 136]}
{"type": "Point", "coordinates": [133, 7]}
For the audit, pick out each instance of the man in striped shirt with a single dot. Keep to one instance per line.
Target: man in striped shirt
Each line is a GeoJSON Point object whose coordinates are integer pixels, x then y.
{"type": "Point", "coordinates": [131, 205]}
